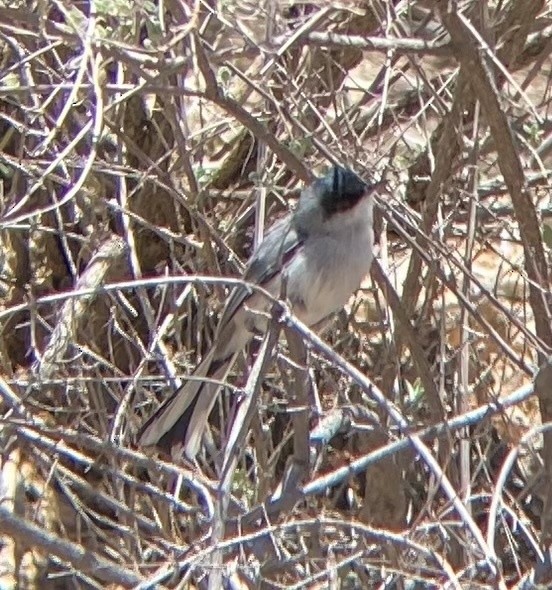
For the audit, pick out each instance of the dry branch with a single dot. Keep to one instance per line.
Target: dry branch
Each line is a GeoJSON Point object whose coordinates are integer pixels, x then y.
{"type": "Point", "coordinates": [73, 312]}
{"type": "Point", "coordinates": [175, 127]}
{"type": "Point", "coordinates": [481, 79]}
{"type": "Point", "coordinates": [398, 45]}
{"type": "Point", "coordinates": [31, 535]}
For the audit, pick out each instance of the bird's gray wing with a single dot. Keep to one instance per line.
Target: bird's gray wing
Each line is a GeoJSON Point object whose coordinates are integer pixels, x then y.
{"type": "Point", "coordinates": [281, 242]}
{"type": "Point", "coordinates": [180, 421]}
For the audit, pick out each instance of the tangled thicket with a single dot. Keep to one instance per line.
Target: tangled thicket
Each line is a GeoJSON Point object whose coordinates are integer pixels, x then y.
{"type": "Point", "coordinates": [143, 146]}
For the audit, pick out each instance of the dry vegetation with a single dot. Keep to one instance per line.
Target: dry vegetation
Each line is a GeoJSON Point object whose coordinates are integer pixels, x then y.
{"type": "Point", "coordinates": [143, 147]}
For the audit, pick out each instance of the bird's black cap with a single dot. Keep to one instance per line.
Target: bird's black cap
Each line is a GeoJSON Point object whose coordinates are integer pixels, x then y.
{"type": "Point", "coordinates": [340, 190]}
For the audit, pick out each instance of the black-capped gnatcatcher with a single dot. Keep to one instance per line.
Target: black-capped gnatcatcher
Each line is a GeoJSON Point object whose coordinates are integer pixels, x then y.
{"type": "Point", "coordinates": [324, 249]}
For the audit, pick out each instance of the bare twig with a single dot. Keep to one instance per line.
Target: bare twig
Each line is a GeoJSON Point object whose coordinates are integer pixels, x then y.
{"type": "Point", "coordinates": [31, 535]}
{"type": "Point", "coordinates": [543, 389]}
{"type": "Point", "coordinates": [397, 45]}
{"type": "Point", "coordinates": [508, 159]}
{"type": "Point", "coordinates": [73, 311]}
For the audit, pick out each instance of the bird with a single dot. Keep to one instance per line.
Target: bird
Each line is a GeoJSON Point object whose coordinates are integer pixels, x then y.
{"type": "Point", "coordinates": [324, 249]}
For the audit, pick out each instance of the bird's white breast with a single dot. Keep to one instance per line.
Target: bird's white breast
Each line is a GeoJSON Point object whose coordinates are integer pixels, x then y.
{"type": "Point", "coordinates": [332, 266]}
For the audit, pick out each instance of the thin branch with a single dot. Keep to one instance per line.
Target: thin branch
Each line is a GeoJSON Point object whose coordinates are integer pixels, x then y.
{"type": "Point", "coordinates": [468, 53]}
{"type": "Point", "coordinates": [30, 535]}
{"type": "Point", "coordinates": [401, 46]}
{"type": "Point", "coordinates": [322, 483]}
{"type": "Point", "coordinates": [72, 313]}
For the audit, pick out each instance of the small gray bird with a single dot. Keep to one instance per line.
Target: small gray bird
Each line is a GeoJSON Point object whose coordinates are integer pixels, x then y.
{"type": "Point", "coordinates": [324, 249]}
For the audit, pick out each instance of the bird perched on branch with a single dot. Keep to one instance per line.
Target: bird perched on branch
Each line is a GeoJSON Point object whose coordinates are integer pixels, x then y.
{"type": "Point", "coordinates": [323, 249]}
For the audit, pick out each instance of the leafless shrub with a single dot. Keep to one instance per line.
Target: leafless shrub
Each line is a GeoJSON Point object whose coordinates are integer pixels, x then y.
{"type": "Point", "coordinates": [143, 148]}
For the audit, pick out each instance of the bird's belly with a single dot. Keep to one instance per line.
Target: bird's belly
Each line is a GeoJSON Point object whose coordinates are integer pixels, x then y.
{"type": "Point", "coordinates": [320, 287]}
{"type": "Point", "coordinates": [318, 282]}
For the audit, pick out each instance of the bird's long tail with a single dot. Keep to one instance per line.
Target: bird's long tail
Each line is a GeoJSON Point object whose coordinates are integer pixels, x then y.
{"type": "Point", "coordinates": [178, 425]}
